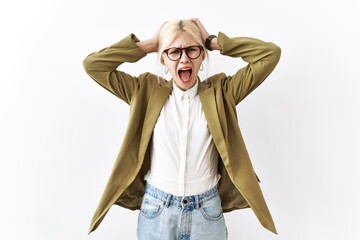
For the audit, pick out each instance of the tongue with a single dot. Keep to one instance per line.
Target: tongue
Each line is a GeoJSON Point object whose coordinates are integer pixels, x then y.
{"type": "Point", "coordinates": [185, 75]}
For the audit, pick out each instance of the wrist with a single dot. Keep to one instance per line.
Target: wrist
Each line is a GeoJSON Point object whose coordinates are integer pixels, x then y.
{"type": "Point", "coordinates": [148, 45]}
{"type": "Point", "coordinates": [208, 41]}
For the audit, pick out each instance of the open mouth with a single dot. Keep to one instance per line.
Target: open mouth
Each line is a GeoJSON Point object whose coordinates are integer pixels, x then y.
{"type": "Point", "coordinates": [185, 74]}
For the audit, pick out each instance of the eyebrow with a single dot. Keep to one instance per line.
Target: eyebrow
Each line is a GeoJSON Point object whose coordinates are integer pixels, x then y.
{"type": "Point", "coordinates": [191, 45]}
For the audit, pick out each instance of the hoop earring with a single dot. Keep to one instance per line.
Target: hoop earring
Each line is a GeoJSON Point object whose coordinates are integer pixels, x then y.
{"type": "Point", "coordinates": [201, 67]}
{"type": "Point", "coordinates": [166, 70]}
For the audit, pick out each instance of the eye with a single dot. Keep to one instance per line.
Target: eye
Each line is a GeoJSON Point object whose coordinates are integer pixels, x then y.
{"type": "Point", "coordinates": [173, 51]}
{"type": "Point", "coordinates": [192, 49]}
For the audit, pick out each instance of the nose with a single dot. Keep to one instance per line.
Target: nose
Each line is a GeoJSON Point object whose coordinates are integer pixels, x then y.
{"type": "Point", "coordinates": [184, 57]}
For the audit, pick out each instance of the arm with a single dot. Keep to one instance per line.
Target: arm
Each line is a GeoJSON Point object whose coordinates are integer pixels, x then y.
{"type": "Point", "coordinates": [262, 57]}
{"type": "Point", "coordinates": [102, 67]}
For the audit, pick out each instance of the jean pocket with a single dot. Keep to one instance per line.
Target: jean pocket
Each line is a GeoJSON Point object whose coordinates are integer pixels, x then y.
{"type": "Point", "coordinates": [151, 207]}
{"type": "Point", "coordinates": [212, 209]}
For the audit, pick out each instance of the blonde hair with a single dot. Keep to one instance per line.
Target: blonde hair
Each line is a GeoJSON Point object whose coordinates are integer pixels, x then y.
{"type": "Point", "coordinates": [171, 29]}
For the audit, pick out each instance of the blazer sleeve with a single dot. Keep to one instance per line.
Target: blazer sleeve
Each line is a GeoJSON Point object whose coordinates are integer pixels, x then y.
{"type": "Point", "coordinates": [262, 57]}
{"type": "Point", "coordinates": [102, 67]}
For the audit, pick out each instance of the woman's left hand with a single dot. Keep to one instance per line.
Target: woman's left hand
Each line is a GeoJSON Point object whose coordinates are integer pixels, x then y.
{"type": "Point", "coordinates": [205, 34]}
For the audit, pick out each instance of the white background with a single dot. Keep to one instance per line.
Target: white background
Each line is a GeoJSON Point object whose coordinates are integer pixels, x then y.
{"type": "Point", "coordinates": [60, 132]}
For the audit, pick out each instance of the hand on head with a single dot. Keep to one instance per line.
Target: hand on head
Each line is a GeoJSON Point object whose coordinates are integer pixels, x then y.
{"type": "Point", "coordinates": [204, 32]}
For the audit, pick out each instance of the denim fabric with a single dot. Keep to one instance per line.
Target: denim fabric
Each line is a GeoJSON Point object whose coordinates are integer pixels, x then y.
{"type": "Point", "coordinates": [166, 217]}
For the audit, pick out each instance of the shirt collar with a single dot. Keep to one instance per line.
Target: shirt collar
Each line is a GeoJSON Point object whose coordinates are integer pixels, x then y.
{"type": "Point", "coordinates": [190, 92]}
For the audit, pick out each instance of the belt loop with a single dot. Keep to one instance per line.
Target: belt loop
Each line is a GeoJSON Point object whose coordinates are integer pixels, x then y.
{"type": "Point", "coordinates": [197, 202]}
{"type": "Point", "coordinates": [168, 199]}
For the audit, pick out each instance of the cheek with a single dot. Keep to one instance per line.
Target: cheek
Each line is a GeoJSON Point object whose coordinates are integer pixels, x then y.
{"type": "Point", "coordinates": [198, 66]}
{"type": "Point", "coordinates": [171, 66]}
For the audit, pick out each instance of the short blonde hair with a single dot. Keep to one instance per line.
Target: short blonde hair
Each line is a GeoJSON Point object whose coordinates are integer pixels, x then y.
{"type": "Point", "coordinates": [171, 29]}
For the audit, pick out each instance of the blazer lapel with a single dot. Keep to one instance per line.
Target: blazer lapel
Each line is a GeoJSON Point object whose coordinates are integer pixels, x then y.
{"type": "Point", "coordinates": [157, 99]}
{"type": "Point", "coordinates": [207, 98]}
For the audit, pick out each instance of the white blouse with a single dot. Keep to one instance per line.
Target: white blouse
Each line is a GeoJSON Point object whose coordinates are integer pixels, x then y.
{"type": "Point", "coordinates": [184, 158]}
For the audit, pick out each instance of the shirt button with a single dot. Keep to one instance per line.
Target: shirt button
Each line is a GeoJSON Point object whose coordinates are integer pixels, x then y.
{"type": "Point", "coordinates": [185, 201]}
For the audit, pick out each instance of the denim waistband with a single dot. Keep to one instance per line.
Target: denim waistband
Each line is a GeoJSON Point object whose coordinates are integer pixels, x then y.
{"type": "Point", "coordinates": [181, 201]}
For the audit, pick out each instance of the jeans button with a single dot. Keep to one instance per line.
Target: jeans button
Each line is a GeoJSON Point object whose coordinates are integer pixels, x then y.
{"type": "Point", "coordinates": [185, 201]}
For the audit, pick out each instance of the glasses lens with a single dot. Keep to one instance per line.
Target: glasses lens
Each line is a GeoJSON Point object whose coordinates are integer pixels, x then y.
{"type": "Point", "coordinates": [193, 52]}
{"type": "Point", "coordinates": [174, 53]}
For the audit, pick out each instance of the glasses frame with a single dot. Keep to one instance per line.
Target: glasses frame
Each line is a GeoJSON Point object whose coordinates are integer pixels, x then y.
{"type": "Point", "coordinates": [182, 50]}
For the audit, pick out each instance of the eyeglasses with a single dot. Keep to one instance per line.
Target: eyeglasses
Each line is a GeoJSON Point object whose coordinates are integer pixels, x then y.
{"type": "Point", "coordinates": [174, 53]}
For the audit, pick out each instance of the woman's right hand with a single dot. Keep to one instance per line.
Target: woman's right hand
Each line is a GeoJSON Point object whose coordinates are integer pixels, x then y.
{"type": "Point", "coordinates": [152, 44]}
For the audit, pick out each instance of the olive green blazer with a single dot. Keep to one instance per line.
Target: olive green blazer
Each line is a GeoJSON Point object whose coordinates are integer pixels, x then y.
{"type": "Point", "coordinates": [219, 94]}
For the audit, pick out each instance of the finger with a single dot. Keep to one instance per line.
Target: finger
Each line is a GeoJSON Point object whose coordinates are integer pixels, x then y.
{"type": "Point", "coordinates": [195, 20]}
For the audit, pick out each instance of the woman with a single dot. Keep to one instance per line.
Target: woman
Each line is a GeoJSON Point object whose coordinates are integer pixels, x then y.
{"type": "Point", "coordinates": [183, 161]}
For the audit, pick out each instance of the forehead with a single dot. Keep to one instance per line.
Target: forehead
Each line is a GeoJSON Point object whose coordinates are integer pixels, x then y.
{"type": "Point", "coordinates": [184, 39]}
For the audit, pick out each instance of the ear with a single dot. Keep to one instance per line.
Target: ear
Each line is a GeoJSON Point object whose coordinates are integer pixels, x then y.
{"type": "Point", "coordinates": [162, 60]}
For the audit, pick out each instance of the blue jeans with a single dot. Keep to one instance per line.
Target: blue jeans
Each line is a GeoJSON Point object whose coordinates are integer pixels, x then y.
{"type": "Point", "coordinates": [167, 217]}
